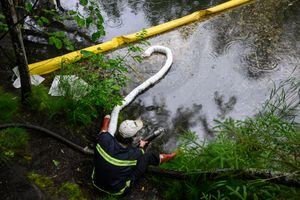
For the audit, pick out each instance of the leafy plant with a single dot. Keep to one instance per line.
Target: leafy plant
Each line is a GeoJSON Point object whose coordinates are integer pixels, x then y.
{"type": "Point", "coordinates": [269, 141]}
{"type": "Point", "coordinates": [45, 17]}
{"type": "Point", "coordinates": [105, 78]}
{"type": "Point", "coordinates": [8, 106]}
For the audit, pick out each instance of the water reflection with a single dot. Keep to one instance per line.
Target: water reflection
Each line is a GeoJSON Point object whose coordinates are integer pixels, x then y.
{"type": "Point", "coordinates": [260, 28]}
{"type": "Point", "coordinates": [224, 108]}
{"type": "Point", "coordinates": [157, 115]}
{"type": "Point", "coordinates": [123, 17]}
{"type": "Point", "coordinates": [224, 67]}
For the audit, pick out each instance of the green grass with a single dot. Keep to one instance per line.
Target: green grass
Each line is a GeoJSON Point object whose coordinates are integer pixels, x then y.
{"type": "Point", "coordinates": [8, 106]}
{"type": "Point", "coordinates": [12, 140]}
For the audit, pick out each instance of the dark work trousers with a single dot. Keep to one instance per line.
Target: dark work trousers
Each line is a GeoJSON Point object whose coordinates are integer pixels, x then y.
{"type": "Point", "coordinates": [149, 158]}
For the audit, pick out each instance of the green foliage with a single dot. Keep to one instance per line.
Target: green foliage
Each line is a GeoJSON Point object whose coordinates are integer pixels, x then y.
{"type": "Point", "coordinates": [105, 78]}
{"type": "Point", "coordinates": [135, 50]}
{"type": "Point", "coordinates": [41, 181]}
{"type": "Point", "coordinates": [46, 17]}
{"type": "Point", "coordinates": [93, 18]}
{"type": "Point", "coordinates": [56, 163]}
{"type": "Point", "coordinates": [8, 106]}
{"type": "Point", "coordinates": [284, 99]}
{"type": "Point", "coordinates": [55, 41]}
{"type": "Point", "coordinates": [70, 191]}
{"type": "Point", "coordinates": [13, 138]}
{"type": "Point", "coordinates": [81, 104]}
{"type": "Point", "coordinates": [76, 112]}
{"type": "Point", "coordinates": [269, 141]}
{"type": "Point", "coordinates": [3, 25]}
{"type": "Point", "coordinates": [11, 141]}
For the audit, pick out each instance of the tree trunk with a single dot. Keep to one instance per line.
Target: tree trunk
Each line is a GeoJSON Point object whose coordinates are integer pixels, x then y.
{"type": "Point", "coordinates": [17, 40]}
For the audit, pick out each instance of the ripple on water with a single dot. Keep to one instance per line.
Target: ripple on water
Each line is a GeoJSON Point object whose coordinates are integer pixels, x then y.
{"type": "Point", "coordinates": [114, 4]}
{"type": "Point", "coordinates": [231, 45]}
{"type": "Point", "coordinates": [256, 66]}
{"type": "Point", "coordinates": [151, 13]}
{"type": "Point", "coordinates": [261, 63]}
{"type": "Point", "coordinates": [208, 25]}
{"type": "Point", "coordinates": [114, 22]}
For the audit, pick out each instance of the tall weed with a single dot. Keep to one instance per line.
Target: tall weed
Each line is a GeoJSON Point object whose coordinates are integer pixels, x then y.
{"type": "Point", "coordinates": [269, 141]}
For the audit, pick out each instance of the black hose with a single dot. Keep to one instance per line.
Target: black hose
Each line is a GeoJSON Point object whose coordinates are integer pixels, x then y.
{"type": "Point", "coordinates": [52, 134]}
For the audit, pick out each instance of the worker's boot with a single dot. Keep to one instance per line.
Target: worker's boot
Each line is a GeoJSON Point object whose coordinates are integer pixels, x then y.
{"type": "Point", "coordinates": [166, 157]}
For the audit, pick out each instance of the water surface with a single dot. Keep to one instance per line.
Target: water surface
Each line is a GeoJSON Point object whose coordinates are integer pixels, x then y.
{"type": "Point", "coordinates": [223, 67]}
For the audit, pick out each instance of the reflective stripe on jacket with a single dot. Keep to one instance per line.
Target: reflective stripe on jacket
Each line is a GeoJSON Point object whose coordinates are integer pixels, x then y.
{"type": "Point", "coordinates": [113, 164]}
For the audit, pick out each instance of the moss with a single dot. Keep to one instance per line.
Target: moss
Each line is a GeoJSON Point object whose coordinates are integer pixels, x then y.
{"type": "Point", "coordinates": [71, 191]}
{"type": "Point", "coordinates": [41, 181]}
{"type": "Point", "coordinates": [8, 106]}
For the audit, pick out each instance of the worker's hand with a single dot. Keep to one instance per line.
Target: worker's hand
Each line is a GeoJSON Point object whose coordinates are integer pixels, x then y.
{"type": "Point", "coordinates": [143, 143]}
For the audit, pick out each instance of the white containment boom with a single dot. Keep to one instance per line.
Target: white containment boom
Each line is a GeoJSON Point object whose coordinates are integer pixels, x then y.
{"type": "Point", "coordinates": [149, 82]}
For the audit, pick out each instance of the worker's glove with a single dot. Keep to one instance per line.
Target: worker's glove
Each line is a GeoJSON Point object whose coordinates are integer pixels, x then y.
{"type": "Point", "coordinates": [166, 157]}
{"type": "Point", "coordinates": [105, 124]}
{"type": "Point", "coordinates": [143, 143]}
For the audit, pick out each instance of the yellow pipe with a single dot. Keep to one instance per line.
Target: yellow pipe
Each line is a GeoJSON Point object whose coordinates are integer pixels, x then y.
{"type": "Point", "coordinates": [52, 64]}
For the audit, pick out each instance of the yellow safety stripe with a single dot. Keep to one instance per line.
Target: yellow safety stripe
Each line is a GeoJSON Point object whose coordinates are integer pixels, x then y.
{"type": "Point", "coordinates": [143, 152]}
{"type": "Point", "coordinates": [127, 185]}
{"type": "Point", "coordinates": [114, 161]}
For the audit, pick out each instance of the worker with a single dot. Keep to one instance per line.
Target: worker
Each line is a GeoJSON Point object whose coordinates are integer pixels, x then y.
{"type": "Point", "coordinates": [118, 165]}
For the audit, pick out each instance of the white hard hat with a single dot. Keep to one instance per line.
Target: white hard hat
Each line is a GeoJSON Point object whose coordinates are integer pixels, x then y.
{"type": "Point", "coordinates": [129, 128]}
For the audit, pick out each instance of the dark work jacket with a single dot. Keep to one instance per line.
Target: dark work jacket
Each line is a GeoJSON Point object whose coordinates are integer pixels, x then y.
{"type": "Point", "coordinates": [113, 164]}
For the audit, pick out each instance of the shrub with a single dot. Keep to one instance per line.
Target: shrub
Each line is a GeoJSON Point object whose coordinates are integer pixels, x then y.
{"type": "Point", "coordinates": [81, 104]}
